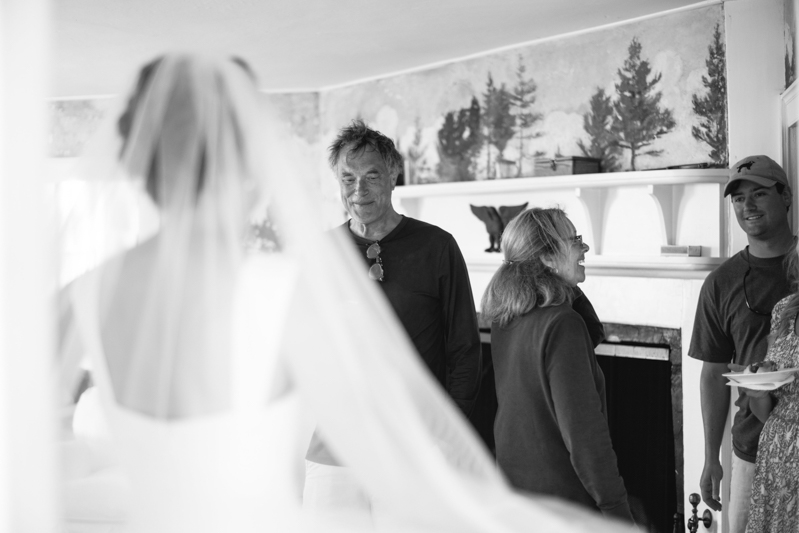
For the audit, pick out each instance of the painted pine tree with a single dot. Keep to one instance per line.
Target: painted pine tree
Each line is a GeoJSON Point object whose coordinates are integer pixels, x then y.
{"type": "Point", "coordinates": [597, 123]}
{"type": "Point", "coordinates": [523, 98]}
{"type": "Point", "coordinates": [638, 118]}
{"type": "Point", "coordinates": [417, 163]}
{"type": "Point", "coordinates": [459, 141]}
{"type": "Point", "coordinates": [498, 121]}
{"type": "Point", "coordinates": [712, 106]}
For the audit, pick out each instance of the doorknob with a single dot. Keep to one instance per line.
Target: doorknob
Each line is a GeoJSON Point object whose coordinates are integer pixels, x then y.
{"type": "Point", "coordinates": [693, 522]}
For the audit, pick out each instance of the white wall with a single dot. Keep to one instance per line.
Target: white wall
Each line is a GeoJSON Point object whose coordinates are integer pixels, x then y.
{"type": "Point", "coordinates": [755, 80]}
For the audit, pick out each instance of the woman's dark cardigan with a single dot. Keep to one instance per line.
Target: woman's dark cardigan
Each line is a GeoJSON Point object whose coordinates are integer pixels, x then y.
{"type": "Point", "coordinates": [551, 429]}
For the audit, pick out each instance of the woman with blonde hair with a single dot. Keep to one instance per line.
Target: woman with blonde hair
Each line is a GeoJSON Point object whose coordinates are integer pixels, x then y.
{"type": "Point", "coordinates": [551, 427]}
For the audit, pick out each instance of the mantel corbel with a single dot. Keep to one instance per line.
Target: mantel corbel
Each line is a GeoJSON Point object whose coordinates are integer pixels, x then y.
{"type": "Point", "coordinates": [594, 201]}
{"type": "Point", "coordinates": [667, 200]}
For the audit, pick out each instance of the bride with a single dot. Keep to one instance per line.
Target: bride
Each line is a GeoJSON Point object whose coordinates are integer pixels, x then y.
{"type": "Point", "coordinates": [210, 360]}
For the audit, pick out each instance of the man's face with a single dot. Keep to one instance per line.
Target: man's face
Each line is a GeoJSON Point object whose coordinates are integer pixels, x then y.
{"type": "Point", "coordinates": [366, 184]}
{"type": "Point", "coordinates": [761, 211]}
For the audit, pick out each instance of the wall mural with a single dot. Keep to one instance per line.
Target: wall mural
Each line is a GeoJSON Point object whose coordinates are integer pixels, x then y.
{"type": "Point", "coordinates": [645, 95]}
{"type": "Point", "coordinates": [72, 124]}
{"type": "Point", "coordinates": [789, 36]}
{"type": "Point", "coordinates": [75, 122]}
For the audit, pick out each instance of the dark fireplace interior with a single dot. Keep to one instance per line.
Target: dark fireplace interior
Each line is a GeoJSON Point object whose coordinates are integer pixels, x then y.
{"type": "Point", "coordinates": [643, 382]}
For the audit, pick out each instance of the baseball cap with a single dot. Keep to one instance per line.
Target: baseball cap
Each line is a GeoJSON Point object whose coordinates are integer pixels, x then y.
{"type": "Point", "coordinates": [759, 169]}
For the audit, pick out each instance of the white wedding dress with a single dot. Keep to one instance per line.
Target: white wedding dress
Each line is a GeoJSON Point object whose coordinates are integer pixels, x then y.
{"type": "Point", "coordinates": [231, 471]}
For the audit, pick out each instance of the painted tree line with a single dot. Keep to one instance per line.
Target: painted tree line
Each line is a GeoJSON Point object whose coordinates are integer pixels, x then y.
{"type": "Point", "coordinates": [474, 139]}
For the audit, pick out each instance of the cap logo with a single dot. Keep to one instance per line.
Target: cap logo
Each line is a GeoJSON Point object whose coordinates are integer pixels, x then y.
{"type": "Point", "coordinates": [747, 166]}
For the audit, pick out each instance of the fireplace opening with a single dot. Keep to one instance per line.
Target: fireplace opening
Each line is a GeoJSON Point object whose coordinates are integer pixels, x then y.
{"type": "Point", "coordinates": [640, 419]}
{"type": "Point", "coordinates": [643, 387]}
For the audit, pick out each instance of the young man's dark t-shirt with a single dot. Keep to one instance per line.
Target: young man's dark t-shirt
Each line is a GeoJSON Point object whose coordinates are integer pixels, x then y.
{"type": "Point", "coordinates": [727, 331]}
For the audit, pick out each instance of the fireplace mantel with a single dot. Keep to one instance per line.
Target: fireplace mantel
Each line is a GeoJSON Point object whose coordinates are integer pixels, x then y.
{"type": "Point", "coordinates": [576, 181]}
{"type": "Point", "coordinates": [667, 189]}
{"type": "Point", "coordinates": [627, 266]}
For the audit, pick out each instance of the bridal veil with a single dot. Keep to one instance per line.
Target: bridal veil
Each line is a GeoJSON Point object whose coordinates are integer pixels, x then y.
{"type": "Point", "coordinates": [175, 298]}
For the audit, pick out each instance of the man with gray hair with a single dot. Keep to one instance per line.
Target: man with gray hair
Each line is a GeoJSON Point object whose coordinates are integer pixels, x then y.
{"type": "Point", "coordinates": [732, 323]}
{"type": "Point", "coordinates": [421, 270]}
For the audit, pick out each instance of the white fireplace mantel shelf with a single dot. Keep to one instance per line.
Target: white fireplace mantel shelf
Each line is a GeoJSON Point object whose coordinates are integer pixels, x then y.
{"type": "Point", "coordinates": [576, 181]}
{"type": "Point", "coordinates": [663, 186]}
{"type": "Point", "coordinates": [625, 266]}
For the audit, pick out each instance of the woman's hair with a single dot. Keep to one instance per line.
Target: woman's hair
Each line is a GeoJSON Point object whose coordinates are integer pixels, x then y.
{"type": "Point", "coordinates": [125, 121]}
{"type": "Point", "coordinates": [184, 95]}
{"type": "Point", "coordinates": [523, 281]}
{"type": "Point", "coordinates": [789, 312]}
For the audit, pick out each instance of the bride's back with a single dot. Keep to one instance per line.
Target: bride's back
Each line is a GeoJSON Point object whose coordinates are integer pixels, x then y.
{"type": "Point", "coordinates": [183, 369]}
{"type": "Point", "coordinates": [215, 455]}
{"type": "Point", "coordinates": [166, 336]}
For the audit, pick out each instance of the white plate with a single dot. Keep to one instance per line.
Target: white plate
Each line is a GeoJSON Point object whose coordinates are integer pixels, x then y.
{"type": "Point", "coordinates": [761, 377]}
{"type": "Point", "coordinates": [763, 386]}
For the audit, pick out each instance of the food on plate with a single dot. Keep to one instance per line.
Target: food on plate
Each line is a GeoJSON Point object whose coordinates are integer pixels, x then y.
{"type": "Point", "coordinates": [763, 366]}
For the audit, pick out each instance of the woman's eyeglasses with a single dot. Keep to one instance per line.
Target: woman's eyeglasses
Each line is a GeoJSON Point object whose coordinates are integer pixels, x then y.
{"type": "Point", "coordinates": [376, 270]}
{"type": "Point", "coordinates": [746, 298]}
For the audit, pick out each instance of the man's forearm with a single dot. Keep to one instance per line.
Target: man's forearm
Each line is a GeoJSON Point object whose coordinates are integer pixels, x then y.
{"type": "Point", "coordinates": [715, 399]}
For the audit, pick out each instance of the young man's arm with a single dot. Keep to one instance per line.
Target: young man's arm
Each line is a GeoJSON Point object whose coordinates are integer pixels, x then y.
{"type": "Point", "coordinates": [715, 398]}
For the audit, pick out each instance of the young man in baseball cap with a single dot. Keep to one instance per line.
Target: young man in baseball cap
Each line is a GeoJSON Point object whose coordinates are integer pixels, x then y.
{"type": "Point", "coordinates": [733, 320]}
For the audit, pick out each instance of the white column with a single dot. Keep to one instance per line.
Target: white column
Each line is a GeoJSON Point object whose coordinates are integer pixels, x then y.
{"type": "Point", "coordinates": [28, 500]}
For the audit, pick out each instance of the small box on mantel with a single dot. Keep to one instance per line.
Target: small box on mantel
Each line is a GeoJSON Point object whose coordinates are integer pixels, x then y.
{"type": "Point", "coordinates": [681, 251]}
{"type": "Point", "coordinates": [563, 166]}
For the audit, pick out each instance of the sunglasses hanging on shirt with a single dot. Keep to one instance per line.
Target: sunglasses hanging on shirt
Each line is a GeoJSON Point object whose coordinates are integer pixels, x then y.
{"type": "Point", "coordinates": [376, 270]}
{"type": "Point", "coordinates": [746, 297]}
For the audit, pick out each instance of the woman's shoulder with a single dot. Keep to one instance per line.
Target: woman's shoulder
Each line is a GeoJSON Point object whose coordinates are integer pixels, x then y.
{"type": "Point", "coordinates": [560, 310]}
{"type": "Point", "coordinates": [556, 323]}
{"type": "Point", "coordinates": [781, 305]}
{"type": "Point", "coordinates": [549, 315]}
{"type": "Point", "coordinates": [565, 314]}
{"type": "Point", "coordinates": [561, 321]}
